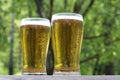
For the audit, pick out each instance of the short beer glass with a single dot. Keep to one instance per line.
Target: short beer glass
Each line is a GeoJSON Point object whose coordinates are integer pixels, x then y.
{"type": "Point", "coordinates": [35, 35]}
{"type": "Point", "coordinates": [67, 35]}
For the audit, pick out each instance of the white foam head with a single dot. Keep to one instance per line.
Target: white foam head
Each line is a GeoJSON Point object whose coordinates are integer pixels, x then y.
{"type": "Point", "coordinates": [67, 16]}
{"type": "Point", "coordinates": [35, 21]}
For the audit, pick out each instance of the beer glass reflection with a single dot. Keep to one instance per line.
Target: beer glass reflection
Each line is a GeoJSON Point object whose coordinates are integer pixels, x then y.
{"type": "Point", "coordinates": [67, 35]}
{"type": "Point", "coordinates": [35, 34]}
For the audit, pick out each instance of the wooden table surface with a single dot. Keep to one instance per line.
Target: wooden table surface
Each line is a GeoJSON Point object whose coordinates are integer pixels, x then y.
{"type": "Point", "coordinates": [59, 77]}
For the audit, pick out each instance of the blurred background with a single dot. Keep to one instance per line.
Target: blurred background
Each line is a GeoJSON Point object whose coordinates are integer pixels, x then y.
{"type": "Point", "coordinates": [100, 52]}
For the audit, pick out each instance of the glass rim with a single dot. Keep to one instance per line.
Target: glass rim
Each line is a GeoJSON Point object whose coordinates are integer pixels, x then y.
{"type": "Point", "coordinates": [67, 15]}
{"type": "Point", "coordinates": [35, 21]}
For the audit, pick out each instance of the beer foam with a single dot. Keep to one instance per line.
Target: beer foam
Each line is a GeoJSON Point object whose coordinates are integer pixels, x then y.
{"type": "Point", "coordinates": [35, 21]}
{"type": "Point", "coordinates": [67, 16]}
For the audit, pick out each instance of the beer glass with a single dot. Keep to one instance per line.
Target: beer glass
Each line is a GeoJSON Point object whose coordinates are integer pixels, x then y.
{"type": "Point", "coordinates": [67, 35]}
{"type": "Point", "coordinates": [35, 35]}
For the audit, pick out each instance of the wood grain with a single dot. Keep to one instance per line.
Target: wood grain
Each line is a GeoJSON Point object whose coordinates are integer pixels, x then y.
{"type": "Point", "coordinates": [59, 77]}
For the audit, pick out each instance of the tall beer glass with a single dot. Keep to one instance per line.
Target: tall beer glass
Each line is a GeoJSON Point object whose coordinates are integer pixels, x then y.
{"type": "Point", "coordinates": [67, 35]}
{"type": "Point", "coordinates": [35, 35]}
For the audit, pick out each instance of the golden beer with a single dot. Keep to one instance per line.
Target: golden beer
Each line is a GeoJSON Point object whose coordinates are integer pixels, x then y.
{"type": "Point", "coordinates": [34, 40]}
{"type": "Point", "coordinates": [67, 34]}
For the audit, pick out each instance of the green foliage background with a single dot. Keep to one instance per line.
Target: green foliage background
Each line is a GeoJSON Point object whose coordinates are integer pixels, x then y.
{"type": "Point", "coordinates": [101, 31]}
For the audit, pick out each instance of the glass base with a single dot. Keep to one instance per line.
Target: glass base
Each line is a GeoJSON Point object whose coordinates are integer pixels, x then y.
{"type": "Point", "coordinates": [34, 71]}
{"type": "Point", "coordinates": [25, 73]}
{"type": "Point", "coordinates": [66, 73]}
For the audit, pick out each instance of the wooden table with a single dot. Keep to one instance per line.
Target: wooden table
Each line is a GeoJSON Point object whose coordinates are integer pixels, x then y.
{"type": "Point", "coordinates": [59, 77]}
